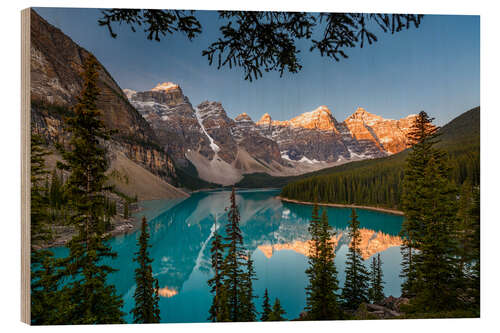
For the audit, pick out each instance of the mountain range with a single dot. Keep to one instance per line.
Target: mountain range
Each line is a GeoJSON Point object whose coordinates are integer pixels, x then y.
{"type": "Point", "coordinates": [162, 142]}
{"type": "Point", "coordinates": [222, 149]}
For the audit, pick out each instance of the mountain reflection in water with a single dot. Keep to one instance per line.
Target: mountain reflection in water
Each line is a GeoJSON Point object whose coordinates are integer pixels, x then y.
{"type": "Point", "coordinates": [275, 233]}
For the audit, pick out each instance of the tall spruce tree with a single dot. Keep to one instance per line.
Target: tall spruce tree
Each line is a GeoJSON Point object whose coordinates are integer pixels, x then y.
{"type": "Point", "coordinates": [234, 263]}
{"type": "Point", "coordinates": [373, 274]}
{"type": "Point", "coordinates": [146, 296]}
{"type": "Point", "coordinates": [355, 289]}
{"type": "Point", "coordinates": [321, 293]}
{"type": "Point", "coordinates": [278, 312]}
{"type": "Point", "coordinates": [429, 232]}
{"type": "Point", "coordinates": [266, 307]}
{"type": "Point", "coordinates": [421, 138]}
{"type": "Point", "coordinates": [46, 298]}
{"type": "Point", "coordinates": [40, 231]}
{"type": "Point", "coordinates": [468, 240]}
{"type": "Point", "coordinates": [218, 309]}
{"type": "Point", "coordinates": [437, 265]}
{"type": "Point", "coordinates": [376, 291]}
{"type": "Point", "coordinates": [92, 300]}
{"type": "Point", "coordinates": [248, 311]}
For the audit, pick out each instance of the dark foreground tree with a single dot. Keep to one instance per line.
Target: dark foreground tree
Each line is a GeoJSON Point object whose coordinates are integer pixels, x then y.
{"type": "Point", "coordinates": [91, 299]}
{"type": "Point", "coordinates": [234, 263]}
{"type": "Point", "coordinates": [46, 300]}
{"type": "Point", "coordinates": [431, 266]}
{"type": "Point", "coordinates": [259, 41]}
{"type": "Point", "coordinates": [468, 245]}
{"type": "Point", "coordinates": [473, 269]}
{"type": "Point", "coordinates": [321, 293]}
{"type": "Point", "coordinates": [355, 289]}
{"type": "Point", "coordinates": [436, 267]}
{"type": "Point", "coordinates": [146, 296]}
{"type": "Point", "coordinates": [376, 291]}
{"type": "Point", "coordinates": [218, 309]}
{"type": "Point", "coordinates": [40, 231]}
{"type": "Point", "coordinates": [234, 273]}
{"type": "Point", "coordinates": [266, 307]}
{"type": "Point", "coordinates": [278, 312]}
{"type": "Point", "coordinates": [248, 311]}
{"type": "Point", "coordinates": [421, 139]}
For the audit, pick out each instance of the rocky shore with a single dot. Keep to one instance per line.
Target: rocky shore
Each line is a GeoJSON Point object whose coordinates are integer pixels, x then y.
{"type": "Point", "coordinates": [389, 308]}
{"type": "Point", "coordinates": [63, 234]}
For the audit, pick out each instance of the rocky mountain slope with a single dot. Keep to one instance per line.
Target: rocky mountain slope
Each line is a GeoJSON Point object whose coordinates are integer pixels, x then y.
{"type": "Point", "coordinates": [460, 138]}
{"type": "Point", "coordinates": [222, 149]}
{"type": "Point", "coordinates": [317, 135]}
{"type": "Point", "coordinates": [56, 64]}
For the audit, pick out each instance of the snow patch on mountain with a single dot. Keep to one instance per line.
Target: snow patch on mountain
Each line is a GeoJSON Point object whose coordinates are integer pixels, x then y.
{"type": "Point", "coordinates": [306, 160]}
{"type": "Point", "coordinates": [358, 156]}
{"type": "Point", "coordinates": [213, 145]}
{"type": "Point", "coordinates": [165, 86]}
{"type": "Point", "coordinates": [284, 155]}
{"type": "Point", "coordinates": [129, 93]}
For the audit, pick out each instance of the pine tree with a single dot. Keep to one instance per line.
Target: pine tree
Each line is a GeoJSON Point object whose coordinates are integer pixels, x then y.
{"type": "Point", "coordinates": [468, 246]}
{"type": "Point", "coordinates": [421, 138]}
{"type": "Point", "coordinates": [266, 307]}
{"type": "Point", "coordinates": [278, 312]}
{"type": "Point", "coordinates": [46, 299]}
{"type": "Point", "coordinates": [355, 289]}
{"type": "Point", "coordinates": [373, 277]}
{"type": "Point", "coordinates": [321, 298]}
{"type": "Point", "coordinates": [217, 311]}
{"type": "Point", "coordinates": [56, 190]}
{"type": "Point", "coordinates": [39, 193]}
{"type": "Point", "coordinates": [376, 291]}
{"type": "Point", "coordinates": [429, 232]}
{"type": "Point", "coordinates": [437, 265]}
{"type": "Point", "coordinates": [233, 262]}
{"type": "Point", "coordinates": [92, 300]}
{"type": "Point", "coordinates": [467, 229]}
{"type": "Point", "coordinates": [248, 311]}
{"type": "Point", "coordinates": [146, 296]}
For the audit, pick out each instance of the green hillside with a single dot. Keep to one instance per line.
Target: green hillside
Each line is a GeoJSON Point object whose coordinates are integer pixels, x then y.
{"type": "Point", "coordinates": [377, 181]}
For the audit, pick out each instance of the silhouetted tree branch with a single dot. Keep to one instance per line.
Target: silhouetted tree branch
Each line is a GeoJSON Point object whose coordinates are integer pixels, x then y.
{"type": "Point", "coordinates": [261, 41]}
{"type": "Point", "coordinates": [156, 22]}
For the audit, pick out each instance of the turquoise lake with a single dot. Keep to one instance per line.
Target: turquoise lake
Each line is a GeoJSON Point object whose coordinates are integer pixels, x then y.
{"type": "Point", "coordinates": [274, 232]}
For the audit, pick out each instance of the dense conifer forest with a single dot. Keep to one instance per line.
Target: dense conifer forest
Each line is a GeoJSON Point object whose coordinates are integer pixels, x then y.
{"type": "Point", "coordinates": [379, 182]}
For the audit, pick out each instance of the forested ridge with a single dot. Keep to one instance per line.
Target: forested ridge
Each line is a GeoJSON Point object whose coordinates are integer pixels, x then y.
{"type": "Point", "coordinates": [379, 182]}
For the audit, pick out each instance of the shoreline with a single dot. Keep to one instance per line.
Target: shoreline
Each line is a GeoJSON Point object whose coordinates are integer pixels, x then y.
{"type": "Point", "coordinates": [377, 209]}
{"type": "Point", "coordinates": [121, 226]}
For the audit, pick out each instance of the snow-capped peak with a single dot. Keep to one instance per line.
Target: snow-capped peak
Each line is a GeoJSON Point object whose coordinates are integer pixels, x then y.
{"type": "Point", "coordinates": [362, 115]}
{"type": "Point", "coordinates": [165, 86]}
{"type": "Point", "coordinates": [243, 117]}
{"type": "Point", "coordinates": [265, 119]}
{"type": "Point", "coordinates": [320, 118]}
{"type": "Point", "coordinates": [129, 92]}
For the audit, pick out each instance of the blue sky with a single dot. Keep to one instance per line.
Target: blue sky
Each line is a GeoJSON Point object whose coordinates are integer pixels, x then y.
{"type": "Point", "coordinates": [433, 68]}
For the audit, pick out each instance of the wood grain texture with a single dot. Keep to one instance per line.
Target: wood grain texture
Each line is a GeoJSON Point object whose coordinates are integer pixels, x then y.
{"type": "Point", "coordinates": [25, 166]}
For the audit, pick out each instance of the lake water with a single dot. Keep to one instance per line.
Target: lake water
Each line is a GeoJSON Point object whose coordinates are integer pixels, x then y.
{"type": "Point", "coordinates": [274, 232]}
